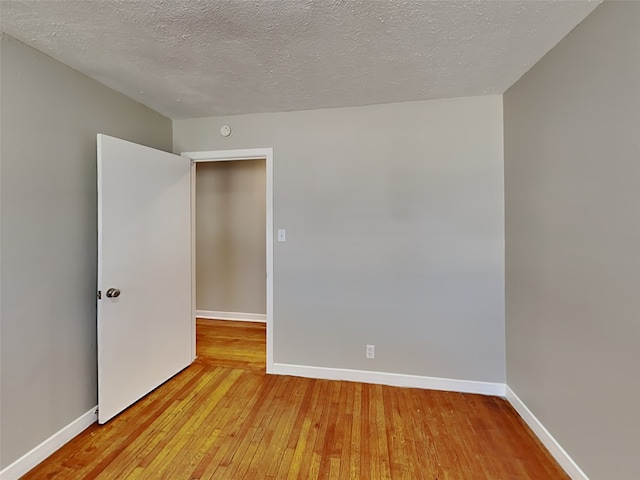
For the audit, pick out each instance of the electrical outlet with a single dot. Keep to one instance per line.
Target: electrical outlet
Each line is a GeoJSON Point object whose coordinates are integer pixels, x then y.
{"type": "Point", "coordinates": [371, 351]}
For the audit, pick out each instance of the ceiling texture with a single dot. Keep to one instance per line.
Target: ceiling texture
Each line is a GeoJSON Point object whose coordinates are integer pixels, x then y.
{"type": "Point", "coordinates": [196, 58]}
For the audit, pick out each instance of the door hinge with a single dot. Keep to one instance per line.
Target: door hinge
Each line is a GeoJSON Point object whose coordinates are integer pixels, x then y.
{"type": "Point", "coordinates": [99, 295]}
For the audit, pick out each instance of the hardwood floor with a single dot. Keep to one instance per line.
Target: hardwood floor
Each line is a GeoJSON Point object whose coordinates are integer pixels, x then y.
{"type": "Point", "coordinates": [223, 418]}
{"type": "Point", "coordinates": [231, 344]}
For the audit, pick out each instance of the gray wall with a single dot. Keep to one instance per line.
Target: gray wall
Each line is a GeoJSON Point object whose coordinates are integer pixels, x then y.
{"type": "Point", "coordinates": [572, 165]}
{"type": "Point", "coordinates": [50, 117]}
{"type": "Point", "coordinates": [231, 246]}
{"type": "Point", "coordinates": [395, 233]}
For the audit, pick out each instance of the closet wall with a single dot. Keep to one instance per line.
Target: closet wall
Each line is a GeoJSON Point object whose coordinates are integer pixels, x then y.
{"type": "Point", "coordinates": [230, 236]}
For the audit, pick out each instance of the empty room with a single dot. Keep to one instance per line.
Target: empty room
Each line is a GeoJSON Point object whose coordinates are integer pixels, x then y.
{"type": "Point", "coordinates": [300, 239]}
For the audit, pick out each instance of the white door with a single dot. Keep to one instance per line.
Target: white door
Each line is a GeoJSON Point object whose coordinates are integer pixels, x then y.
{"type": "Point", "coordinates": [145, 323]}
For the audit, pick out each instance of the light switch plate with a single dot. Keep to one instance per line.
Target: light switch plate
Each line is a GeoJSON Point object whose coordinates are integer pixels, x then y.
{"type": "Point", "coordinates": [282, 235]}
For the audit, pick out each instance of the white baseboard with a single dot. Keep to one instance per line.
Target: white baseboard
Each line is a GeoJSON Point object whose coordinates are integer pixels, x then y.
{"type": "Point", "coordinates": [50, 445]}
{"type": "Point", "coordinates": [393, 379]}
{"type": "Point", "coordinates": [237, 316]}
{"type": "Point", "coordinates": [561, 456]}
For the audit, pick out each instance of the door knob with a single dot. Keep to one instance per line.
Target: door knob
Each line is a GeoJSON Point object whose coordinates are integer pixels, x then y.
{"type": "Point", "coordinates": [113, 293]}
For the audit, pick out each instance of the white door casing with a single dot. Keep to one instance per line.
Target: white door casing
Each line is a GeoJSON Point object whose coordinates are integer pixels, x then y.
{"type": "Point", "coordinates": [144, 250]}
{"type": "Point", "coordinates": [244, 154]}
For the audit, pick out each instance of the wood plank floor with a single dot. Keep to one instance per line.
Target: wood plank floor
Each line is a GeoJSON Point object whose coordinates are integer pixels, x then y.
{"type": "Point", "coordinates": [223, 418]}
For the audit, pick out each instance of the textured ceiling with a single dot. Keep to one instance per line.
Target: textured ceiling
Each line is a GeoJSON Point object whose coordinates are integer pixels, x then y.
{"type": "Point", "coordinates": [189, 58]}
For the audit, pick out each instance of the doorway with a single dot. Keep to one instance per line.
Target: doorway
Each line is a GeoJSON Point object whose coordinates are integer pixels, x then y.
{"type": "Point", "coordinates": [230, 240]}
{"type": "Point", "coordinates": [231, 172]}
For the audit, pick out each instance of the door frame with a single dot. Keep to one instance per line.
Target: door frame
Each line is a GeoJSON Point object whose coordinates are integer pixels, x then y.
{"type": "Point", "coordinates": [226, 156]}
